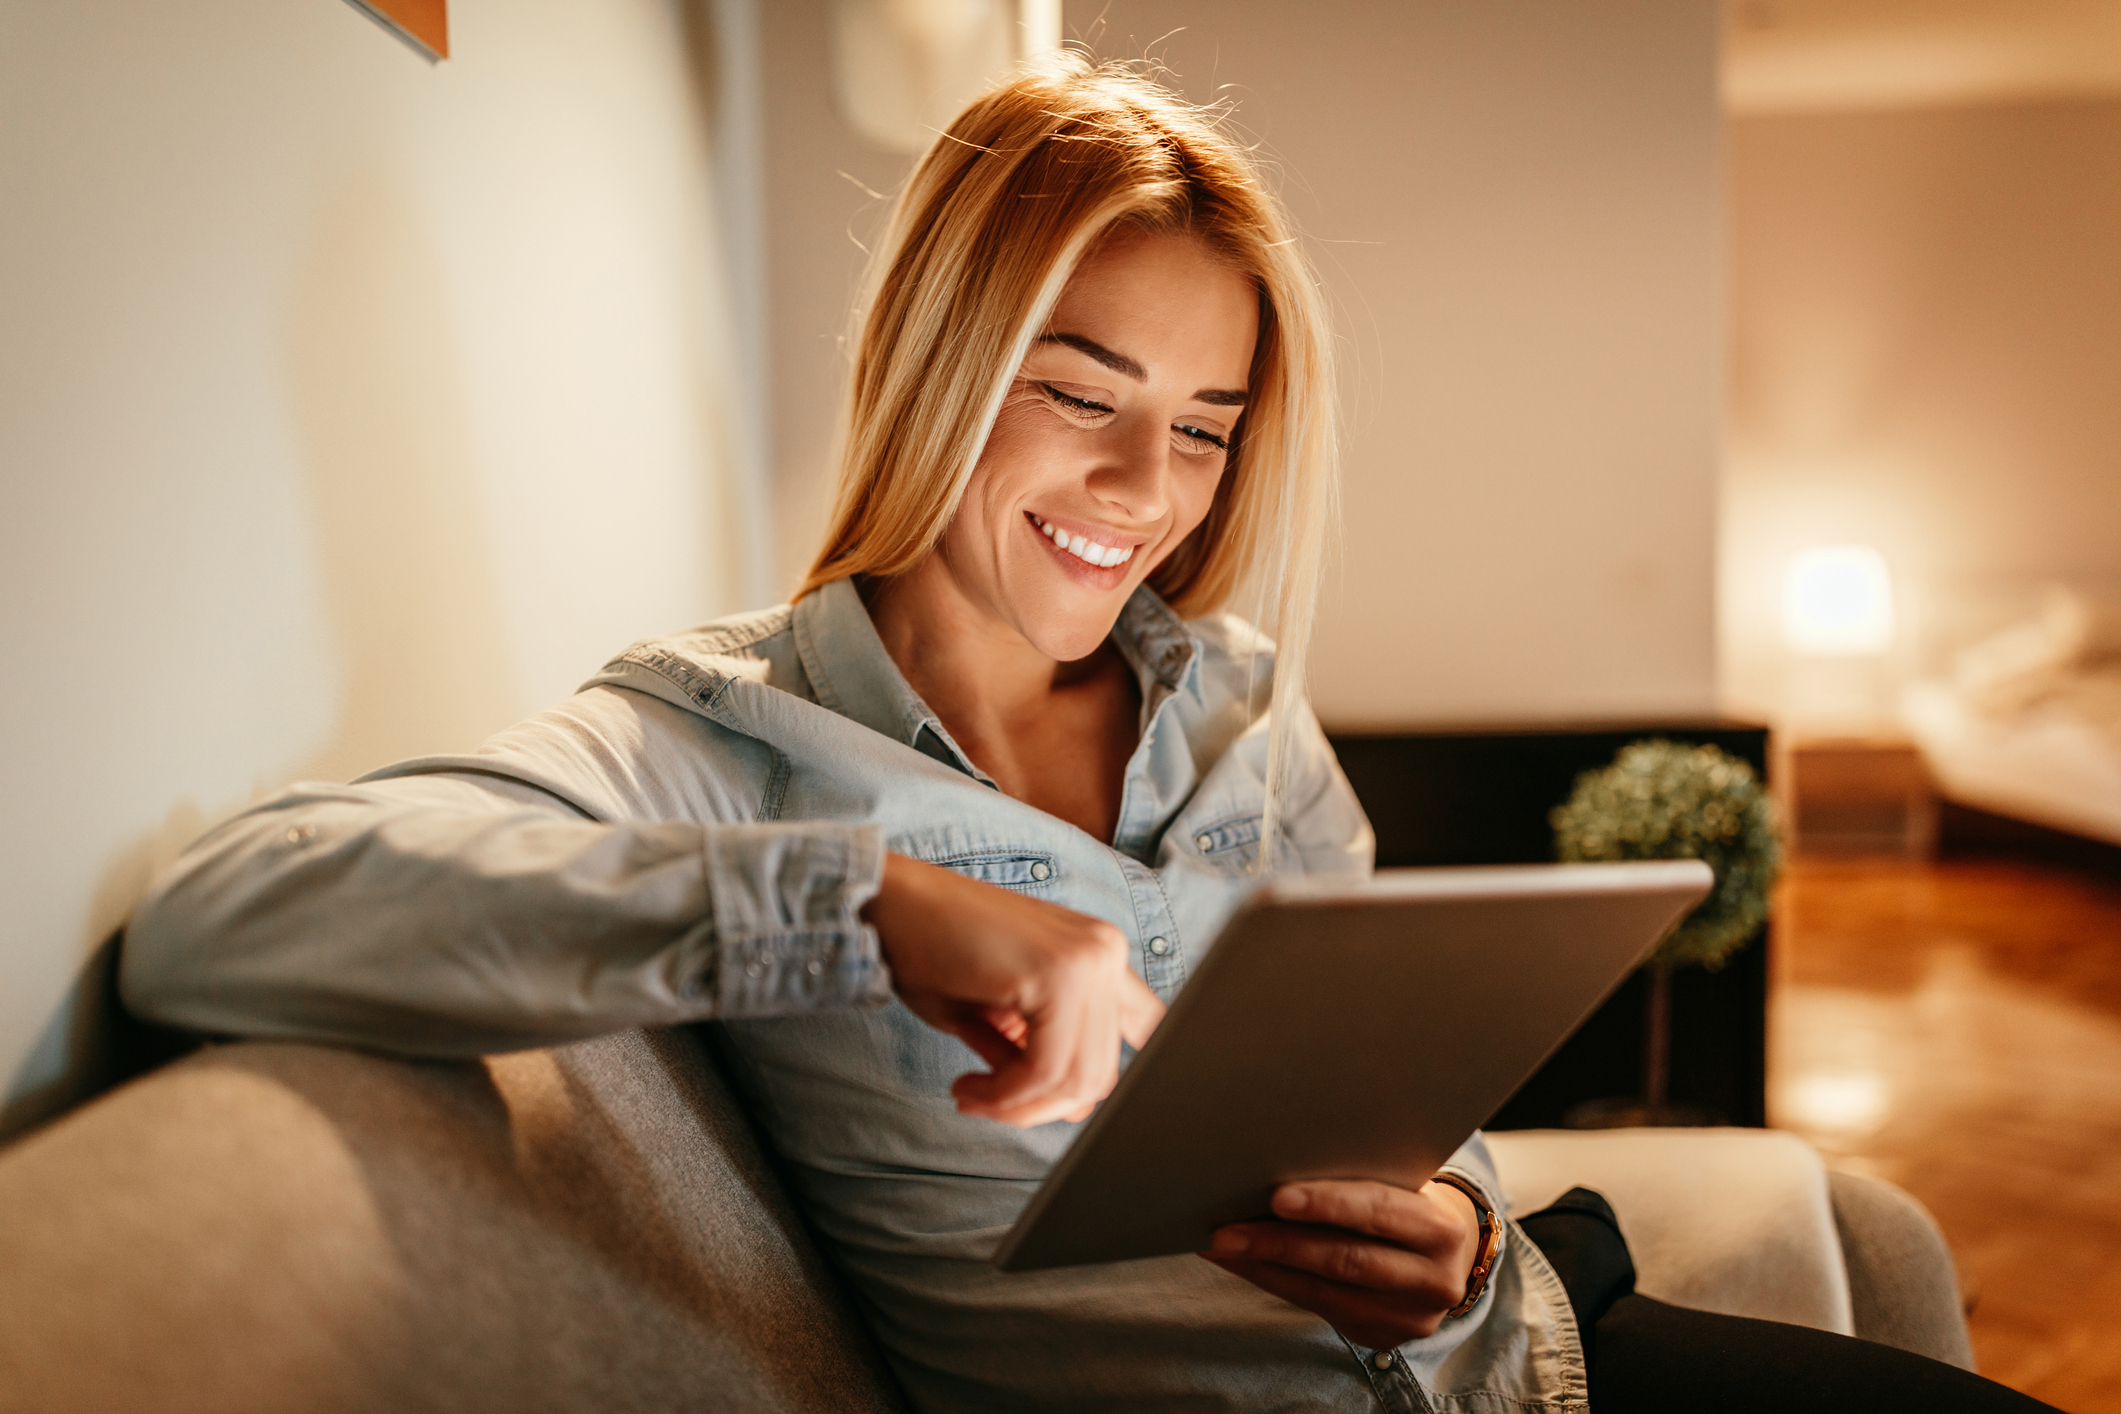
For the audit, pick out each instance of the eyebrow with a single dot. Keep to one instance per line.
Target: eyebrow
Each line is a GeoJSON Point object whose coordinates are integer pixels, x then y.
{"type": "Point", "coordinates": [1126, 367]}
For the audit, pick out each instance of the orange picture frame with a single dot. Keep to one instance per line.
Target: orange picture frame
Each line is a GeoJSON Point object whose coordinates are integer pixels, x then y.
{"type": "Point", "coordinates": [424, 24]}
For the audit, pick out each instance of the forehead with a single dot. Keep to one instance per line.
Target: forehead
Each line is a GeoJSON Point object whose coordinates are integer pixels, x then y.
{"type": "Point", "coordinates": [1163, 298]}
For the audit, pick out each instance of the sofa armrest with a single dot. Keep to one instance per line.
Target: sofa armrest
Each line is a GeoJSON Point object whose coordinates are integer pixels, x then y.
{"type": "Point", "coordinates": [1731, 1220]}
{"type": "Point", "coordinates": [274, 1227]}
{"type": "Point", "coordinates": [1902, 1285]}
{"type": "Point", "coordinates": [1750, 1223]}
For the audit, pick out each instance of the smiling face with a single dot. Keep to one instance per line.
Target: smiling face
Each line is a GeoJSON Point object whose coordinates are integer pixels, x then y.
{"type": "Point", "coordinates": [1109, 443]}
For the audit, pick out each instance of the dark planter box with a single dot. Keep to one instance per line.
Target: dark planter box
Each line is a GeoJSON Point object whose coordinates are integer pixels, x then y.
{"type": "Point", "coordinates": [1482, 797]}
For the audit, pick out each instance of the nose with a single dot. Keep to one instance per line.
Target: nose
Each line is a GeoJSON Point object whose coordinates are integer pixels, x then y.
{"type": "Point", "coordinates": [1133, 470]}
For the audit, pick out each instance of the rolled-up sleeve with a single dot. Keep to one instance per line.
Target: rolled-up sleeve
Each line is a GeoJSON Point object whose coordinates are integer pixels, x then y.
{"type": "Point", "coordinates": [787, 925]}
{"type": "Point", "coordinates": [460, 912]}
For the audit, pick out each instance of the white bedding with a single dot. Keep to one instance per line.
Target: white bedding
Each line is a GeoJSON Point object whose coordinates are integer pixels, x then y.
{"type": "Point", "coordinates": [2029, 725]}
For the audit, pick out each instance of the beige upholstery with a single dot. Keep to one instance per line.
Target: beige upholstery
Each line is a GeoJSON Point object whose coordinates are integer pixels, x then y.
{"type": "Point", "coordinates": [1901, 1281]}
{"type": "Point", "coordinates": [285, 1227]}
{"type": "Point", "coordinates": [1731, 1220]}
{"type": "Point", "coordinates": [1749, 1222]}
{"type": "Point", "coordinates": [278, 1227]}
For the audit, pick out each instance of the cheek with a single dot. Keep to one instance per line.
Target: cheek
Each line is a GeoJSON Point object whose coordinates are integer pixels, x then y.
{"type": "Point", "coordinates": [1043, 453]}
{"type": "Point", "coordinates": [1008, 471]}
{"type": "Point", "coordinates": [1020, 450]}
{"type": "Point", "coordinates": [1193, 494]}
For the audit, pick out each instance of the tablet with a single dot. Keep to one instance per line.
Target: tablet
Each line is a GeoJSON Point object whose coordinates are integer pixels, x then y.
{"type": "Point", "coordinates": [1349, 1030]}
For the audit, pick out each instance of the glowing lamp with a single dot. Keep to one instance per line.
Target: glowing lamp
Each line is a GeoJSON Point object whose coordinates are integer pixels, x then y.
{"type": "Point", "coordinates": [1837, 601]}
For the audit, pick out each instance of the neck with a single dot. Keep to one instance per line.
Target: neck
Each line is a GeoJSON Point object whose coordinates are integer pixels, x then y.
{"type": "Point", "coordinates": [1055, 735]}
{"type": "Point", "coordinates": [974, 669]}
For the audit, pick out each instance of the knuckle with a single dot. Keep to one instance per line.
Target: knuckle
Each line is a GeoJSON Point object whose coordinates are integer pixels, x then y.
{"type": "Point", "coordinates": [1348, 1262]}
{"type": "Point", "coordinates": [1092, 942]}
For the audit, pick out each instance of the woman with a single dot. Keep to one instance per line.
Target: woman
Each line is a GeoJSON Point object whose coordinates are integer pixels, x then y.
{"type": "Point", "coordinates": [1004, 745]}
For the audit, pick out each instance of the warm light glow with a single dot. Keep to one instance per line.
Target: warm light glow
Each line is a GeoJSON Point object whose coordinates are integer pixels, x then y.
{"type": "Point", "coordinates": [1838, 600]}
{"type": "Point", "coordinates": [1845, 1101]}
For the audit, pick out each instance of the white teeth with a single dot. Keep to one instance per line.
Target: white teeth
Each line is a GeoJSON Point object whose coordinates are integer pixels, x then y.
{"type": "Point", "coordinates": [1085, 549]}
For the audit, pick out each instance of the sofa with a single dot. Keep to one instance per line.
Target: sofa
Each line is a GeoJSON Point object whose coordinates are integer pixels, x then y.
{"type": "Point", "coordinates": [277, 1226]}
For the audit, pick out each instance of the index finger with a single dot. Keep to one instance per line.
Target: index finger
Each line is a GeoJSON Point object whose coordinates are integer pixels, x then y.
{"type": "Point", "coordinates": [1140, 1011]}
{"type": "Point", "coordinates": [1362, 1205]}
{"type": "Point", "coordinates": [1034, 1073]}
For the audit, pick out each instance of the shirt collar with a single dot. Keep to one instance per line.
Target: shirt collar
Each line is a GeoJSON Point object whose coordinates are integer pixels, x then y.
{"type": "Point", "coordinates": [849, 669]}
{"type": "Point", "coordinates": [1154, 639]}
{"type": "Point", "coordinates": [853, 675]}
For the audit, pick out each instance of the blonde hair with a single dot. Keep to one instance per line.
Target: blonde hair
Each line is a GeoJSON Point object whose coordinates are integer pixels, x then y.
{"type": "Point", "coordinates": [980, 242]}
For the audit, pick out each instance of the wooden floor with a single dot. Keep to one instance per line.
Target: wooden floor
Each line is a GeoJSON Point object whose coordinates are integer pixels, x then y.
{"type": "Point", "coordinates": [1956, 1027]}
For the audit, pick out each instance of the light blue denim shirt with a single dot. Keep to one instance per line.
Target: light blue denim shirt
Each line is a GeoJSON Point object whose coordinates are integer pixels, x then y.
{"type": "Point", "coordinates": [692, 837]}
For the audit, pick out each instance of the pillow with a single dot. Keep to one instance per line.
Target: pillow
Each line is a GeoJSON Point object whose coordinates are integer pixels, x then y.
{"type": "Point", "coordinates": [2027, 661]}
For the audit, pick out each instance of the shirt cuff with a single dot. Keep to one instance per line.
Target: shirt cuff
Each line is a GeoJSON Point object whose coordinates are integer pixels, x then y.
{"type": "Point", "coordinates": [789, 934]}
{"type": "Point", "coordinates": [1476, 1166]}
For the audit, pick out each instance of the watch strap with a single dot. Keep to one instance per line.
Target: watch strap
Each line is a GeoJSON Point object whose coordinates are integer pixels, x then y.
{"type": "Point", "coordinates": [1491, 1230]}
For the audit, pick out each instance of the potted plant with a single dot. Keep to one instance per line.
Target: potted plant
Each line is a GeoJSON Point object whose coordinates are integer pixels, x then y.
{"type": "Point", "coordinates": [1664, 800]}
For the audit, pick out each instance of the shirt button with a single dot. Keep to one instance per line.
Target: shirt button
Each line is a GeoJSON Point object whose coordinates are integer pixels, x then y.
{"type": "Point", "coordinates": [1206, 842]}
{"type": "Point", "coordinates": [1159, 946]}
{"type": "Point", "coordinates": [815, 967]}
{"type": "Point", "coordinates": [301, 834]}
{"type": "Point", "coordinates": [1041, 871]}
{"type": "Point", "coordinates": [755, 968]}
{"type": "Point", "coordinates": [1382, 1359]}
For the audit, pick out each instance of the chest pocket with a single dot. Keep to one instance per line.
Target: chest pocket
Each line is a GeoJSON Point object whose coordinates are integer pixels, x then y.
{"type": "Point", "coordinates": [1022, 870]}
{"type": "Point", "coordinates": [1231, 844]}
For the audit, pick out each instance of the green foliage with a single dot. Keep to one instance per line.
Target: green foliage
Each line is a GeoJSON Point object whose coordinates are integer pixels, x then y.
{"type": "Point", "coordinates": [1661, 800]}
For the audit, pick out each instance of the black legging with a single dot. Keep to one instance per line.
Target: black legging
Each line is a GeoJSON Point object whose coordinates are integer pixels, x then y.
{"type": "Point", "coordinates": [1644, 1355]}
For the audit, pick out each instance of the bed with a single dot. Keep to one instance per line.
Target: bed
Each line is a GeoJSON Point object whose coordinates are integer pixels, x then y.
{"type": "Point", "coordinates": [2026, 722]}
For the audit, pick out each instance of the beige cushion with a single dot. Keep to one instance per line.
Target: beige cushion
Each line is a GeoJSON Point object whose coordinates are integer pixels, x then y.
{"type": "Point", "coordinates": [1901, 1279]}
{"type": "Point", "coordinates": [281, 1227]}
{"type": "Point", "coordinates": [1732, 1220]}
{"type": "Point", "coordinates": [284, 1227]}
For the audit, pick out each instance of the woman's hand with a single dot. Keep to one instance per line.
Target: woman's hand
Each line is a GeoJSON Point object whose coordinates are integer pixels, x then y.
{"type": "Point", "coordinates": [1042, 993]}
{"type": "Point", "coordinates": [1381, 1264]}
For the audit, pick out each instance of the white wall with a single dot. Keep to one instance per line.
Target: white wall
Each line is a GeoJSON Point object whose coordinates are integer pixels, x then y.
{"type": "Point", "coordinates": [349, 408]}
{"type": "Point", "coordinates": [1927, 340]}
{"type": "Point", "coordinates": [823, 196]}
{"type": "Point", "coordinates": [823, 192]}
{"type": "Point", "coordinates": [1515, 205]}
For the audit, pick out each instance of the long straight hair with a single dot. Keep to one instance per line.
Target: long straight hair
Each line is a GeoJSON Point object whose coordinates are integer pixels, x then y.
{"type": "Point", "coordinates": [980, 242]}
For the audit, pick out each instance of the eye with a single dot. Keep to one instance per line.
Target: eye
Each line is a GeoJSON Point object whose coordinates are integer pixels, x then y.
{"type": "Point", "coordinates": [1080, 407]}
{"type": "Point", "coordinates": [1203, 441]}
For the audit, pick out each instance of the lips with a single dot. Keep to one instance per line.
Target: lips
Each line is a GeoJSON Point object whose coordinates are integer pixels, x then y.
{"type": "Point", "coordinates": [1090, 551]}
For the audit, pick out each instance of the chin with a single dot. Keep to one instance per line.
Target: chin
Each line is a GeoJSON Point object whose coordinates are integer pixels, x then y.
{"type": "Point", "coordinates": [1068, 638]}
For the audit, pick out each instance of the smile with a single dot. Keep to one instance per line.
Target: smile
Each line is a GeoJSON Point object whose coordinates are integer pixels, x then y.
{"type": "Point", "coordinates": [1084, 548]}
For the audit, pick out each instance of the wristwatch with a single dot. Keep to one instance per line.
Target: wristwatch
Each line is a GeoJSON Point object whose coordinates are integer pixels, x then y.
{"type": "Point", "coordinates": [1490, 1243]}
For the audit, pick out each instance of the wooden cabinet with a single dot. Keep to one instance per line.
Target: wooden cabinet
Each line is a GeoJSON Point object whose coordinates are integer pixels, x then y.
{"type": "Point", "coordinates": [1857, 795]}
